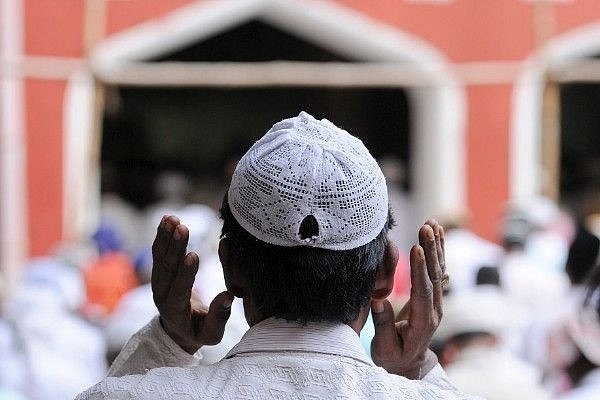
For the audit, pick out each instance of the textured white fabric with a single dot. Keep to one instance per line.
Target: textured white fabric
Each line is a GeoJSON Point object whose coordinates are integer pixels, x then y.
{"type": "Point", "coordinates": [466, 252]}
{"type": "Point", "coordinates": [305, 167]}
{"type": "Point", "coordinates": [274, 360]}
{"type": "Point", "coordinates": [480, 309]}
{"type": "Point", "coordinates": [150, 348]}
{"type": "Point", "coordinates": [495, 375]}
{"type": "Point", "coordinates": [13, 364]}
{"type": "Point", "coordinates": [133, 311]}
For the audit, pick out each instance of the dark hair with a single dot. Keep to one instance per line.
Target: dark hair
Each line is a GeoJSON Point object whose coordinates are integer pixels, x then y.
{"type": "Point", "coordinates": [582, 257]}
{"type": "Point", "coordinates": [304, 283]}
{"type": "Point", "coordinates": [488, 275]}
{"type": "Point", "coordinates": [592, 288]}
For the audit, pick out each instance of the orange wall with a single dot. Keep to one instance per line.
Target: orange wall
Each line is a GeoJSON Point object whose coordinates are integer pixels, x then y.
{"type": "Point", "coordinates": [43, 125]}
{"type": "Point", "coordinates": [124, 14]}
{"type": "Point", "coordinates": [575, 14]}
{"type": "Point", "coordinates": [487, 156]}
{"type": "Point", "coordinates": [464, 30]}
{"type": "Point", "coordinates": [52, 28]}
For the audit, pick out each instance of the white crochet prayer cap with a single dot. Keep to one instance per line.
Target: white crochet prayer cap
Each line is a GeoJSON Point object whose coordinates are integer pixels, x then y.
{"type": "Point", "coordinates": [480, 309]}
{"type": "Point", "coordinates": [304, 167]}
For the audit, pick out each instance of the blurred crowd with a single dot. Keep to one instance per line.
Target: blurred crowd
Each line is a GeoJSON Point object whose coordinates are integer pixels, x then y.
{"type": "Point", "coordinates": [521, 315]}
{"type": "Point", "coordinates": [74, 309]}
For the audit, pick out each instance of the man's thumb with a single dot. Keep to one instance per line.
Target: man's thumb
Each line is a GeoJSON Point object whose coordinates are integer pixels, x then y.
{"type": "Point", "coordinates": [218, 314]}
{"type": "Point", "coordinates": [385, 339]}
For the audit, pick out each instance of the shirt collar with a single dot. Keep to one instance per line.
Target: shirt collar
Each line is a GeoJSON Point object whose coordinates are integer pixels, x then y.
{"type": "Point", "coordinates": [277, 335]}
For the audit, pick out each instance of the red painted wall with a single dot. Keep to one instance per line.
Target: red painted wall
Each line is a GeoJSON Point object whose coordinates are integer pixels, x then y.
{"type": "Point", "coordinates": [464, 30]}
{"type": "Point", "coordinates": [52, 28]}
{"type": "Point", "coordinates": [124, 14]}
{"type": "Point", "coordinates": [487, 151]}
{"type": "Point", "coordinates": [43, 126]}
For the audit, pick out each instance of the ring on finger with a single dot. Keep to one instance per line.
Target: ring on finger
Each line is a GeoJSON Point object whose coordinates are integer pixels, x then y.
{"type": "Point", "coordinates": [445, 280]}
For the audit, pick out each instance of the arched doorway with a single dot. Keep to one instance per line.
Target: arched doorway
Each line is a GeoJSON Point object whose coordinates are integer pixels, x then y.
{"type": "Point", "coordinates": [554, 138]}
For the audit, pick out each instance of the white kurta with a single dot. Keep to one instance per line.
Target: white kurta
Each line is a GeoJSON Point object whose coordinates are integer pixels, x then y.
{"type": "Point", "coordinates": [274, 360]}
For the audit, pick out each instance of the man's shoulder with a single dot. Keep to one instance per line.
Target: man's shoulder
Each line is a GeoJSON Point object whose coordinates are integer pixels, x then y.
{"type": "Point", "coordinates": [252, 376]}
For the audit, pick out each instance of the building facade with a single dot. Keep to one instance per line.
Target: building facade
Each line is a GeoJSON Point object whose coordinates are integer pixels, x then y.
{"type": "Point", "coordinates": [482, 82]}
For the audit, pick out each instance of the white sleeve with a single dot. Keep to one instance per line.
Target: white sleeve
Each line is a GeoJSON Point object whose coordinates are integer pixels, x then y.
{"type": "Point", "coordinates": [149, 348]}
{"type": "Point", "coordinates": [437, 377]}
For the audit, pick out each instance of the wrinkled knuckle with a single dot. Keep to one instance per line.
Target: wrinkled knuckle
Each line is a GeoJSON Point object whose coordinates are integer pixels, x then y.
{"type": "Point", "coordinates": [425, 291]}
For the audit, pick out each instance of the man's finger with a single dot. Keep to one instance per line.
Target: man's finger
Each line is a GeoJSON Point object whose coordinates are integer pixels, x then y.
{"type": "Point", "coordinates": [164, 232]}
{"type": "Point", "coordinates": [434, 268]}
{"type": "Point", "coordinates": [176, 249]}
{"type": "Point", "coordinates": [421, 297]}
{"type": "Point", "coordinates": [427, 240]}
{"type": "Point", "coordinates": [438, 292]}
{"type": "Point", "coordinates": [385, 340]}
{"type": "Point", "coordinates": [213, 324]}
{"type": "Point", "coordinates": [180, 292]}
{"type": "Point", "coordinates": [161, 275]}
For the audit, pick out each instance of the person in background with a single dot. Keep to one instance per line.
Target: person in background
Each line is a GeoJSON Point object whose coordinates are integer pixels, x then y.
{"type": "Point", "coordinates": [304, 245]}
{"type": "Point", "coordinates": [536, 287]}
{"type": "Point", "coordinates": [400, 202]}
{"type": "Point", "coordinates": [538, 291]}
{"type": "Point", "coordinates": [551, 230]}
{"type": "Point", "coordinates": [583, 256]}
{"type": "Point", "coordinates": [473, 352]}
{"type": "Point", "coordinates": [117, 213]}
{"type": "Point", "coordinates": [173, 189]}
{"type": "Point", "coordinates": [108, 276]}
{"type": "Point", "coordinates": [13, 368]}
{"type": "Point", "coordinates": [61, 352]}
{"type": "Point", "coordinates": [466, 251]}
{"type": "Point", "coordinates": [575, 345]}
{"type": "Point", "coordinates": [133, 310]}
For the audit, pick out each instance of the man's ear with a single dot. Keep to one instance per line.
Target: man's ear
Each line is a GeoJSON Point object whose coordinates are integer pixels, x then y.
{"type": "Point", "coordinates": [384, 281]}
{"type": "Point", "coordinates": [234, 281]}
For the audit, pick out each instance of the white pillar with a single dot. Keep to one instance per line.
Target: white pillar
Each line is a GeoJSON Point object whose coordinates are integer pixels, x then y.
{"type": "Point", "coordinates": [13, 199]}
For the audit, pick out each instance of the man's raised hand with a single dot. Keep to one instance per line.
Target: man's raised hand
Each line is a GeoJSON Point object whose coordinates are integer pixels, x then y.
{"type": "Point", "coordinates": [401, 343]}
{"type": "Point", "coordinates": [173, 274]}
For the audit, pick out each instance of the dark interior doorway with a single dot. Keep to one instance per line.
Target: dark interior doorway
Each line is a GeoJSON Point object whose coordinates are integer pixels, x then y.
{"type": "Point", "coordinates": [580, 148]}
{"type": "Point", "coordinates": [200, 131]}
